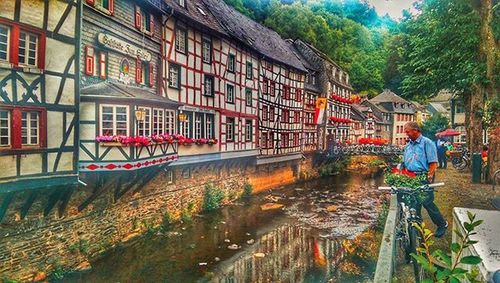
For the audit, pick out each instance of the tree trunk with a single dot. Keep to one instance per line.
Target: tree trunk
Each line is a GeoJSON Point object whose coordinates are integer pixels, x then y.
{"type": "Point", "coordinates": [476, 118]}
{"type": "Point", "coordinates": [467, 107]}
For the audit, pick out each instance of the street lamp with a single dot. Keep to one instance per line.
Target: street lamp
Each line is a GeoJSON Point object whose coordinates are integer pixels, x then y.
{"type": "Point", "coordinates": [140, 114]}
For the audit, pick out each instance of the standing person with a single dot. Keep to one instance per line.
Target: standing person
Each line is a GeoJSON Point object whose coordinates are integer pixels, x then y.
{"type": "Point", "coordinates": [441, 152]}
{"type": "Point", "coordinates": [420, 157]}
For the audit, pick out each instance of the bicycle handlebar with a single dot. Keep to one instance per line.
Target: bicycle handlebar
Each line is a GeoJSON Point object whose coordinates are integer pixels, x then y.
{"type": "Point", "coordinates": [434, 185]}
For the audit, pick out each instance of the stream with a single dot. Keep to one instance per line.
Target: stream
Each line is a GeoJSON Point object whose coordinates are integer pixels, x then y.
{"type": "Point", "coordinates": [321, 234]}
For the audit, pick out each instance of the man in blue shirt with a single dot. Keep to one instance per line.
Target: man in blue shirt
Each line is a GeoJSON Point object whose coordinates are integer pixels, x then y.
{"type": "Point", "coordinates": [420, 156]}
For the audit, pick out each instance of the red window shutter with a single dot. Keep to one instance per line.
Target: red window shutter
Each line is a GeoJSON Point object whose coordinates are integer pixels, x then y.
{"type": "Point", "coordinates": [151, 75]}
{"type": "Point", "coordinates": [41, 52]}
{"type": "Point", "coordinates": [138, 71]}
{"type": "Point", "coordinates": [111, 6]}
{"type": "Point", "coordinates": [138, 19]}
{"type": "Point", "coordinates": [89, 60]}
{"type": "Point", "coordinates": [91, 2]}
{"type": "Point", "coordinates": [151, 24]}
{"type": "Point", "coordinates": [103, 65]}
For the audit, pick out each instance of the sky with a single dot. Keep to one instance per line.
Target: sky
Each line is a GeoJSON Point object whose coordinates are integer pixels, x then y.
{"type": "Point", "coordinates": [392, 7]}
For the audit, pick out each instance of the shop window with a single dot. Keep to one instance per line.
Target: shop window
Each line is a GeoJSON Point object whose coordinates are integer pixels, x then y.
{"type": "Point", "coordinates": [169, 122]}
{"type": "Point", "coordinates": [22, 127]}
{"type": "Point", "coordinates": [180, 39]}
{"type": "Point", "coordinates": [230, 94]}
{"type": "Point", "coordinates": [114, 120]}
{"type": "Point", "coordinates": [144, 126]}
{"type": "Point", "coordinates": [209, 126]}
{"type": "Point", "coordinates": [174, 76]}
{"type": "Point", "coordinates": [209, 86]}
{"type": "Point", "coordinates": [231, 64]}
{"type": "Point", "coordinates": [207, 50]}
{"type": "Point", "coordinates": [248, 130]}
{"type": "Point", "coordinates": [158, 121]}
{"type": "Point", "coordinates": [230, 125]}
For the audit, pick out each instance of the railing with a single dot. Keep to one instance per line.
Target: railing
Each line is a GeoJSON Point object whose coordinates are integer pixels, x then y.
{"type": "Point", "coordinates": [387, 254]}
{"type": "Point", "coordinates": [383, 150]}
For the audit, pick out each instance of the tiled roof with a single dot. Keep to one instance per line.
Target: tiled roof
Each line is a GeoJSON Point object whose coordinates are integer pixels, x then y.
{"type": "Point", "coordinates": [256, 36]}
{"type": "Point", "coordinates": [388, 96]}
{"type": "Point", "coordinates": [120, 91]}
{"type": "Point", "coordinates": [197, 11]}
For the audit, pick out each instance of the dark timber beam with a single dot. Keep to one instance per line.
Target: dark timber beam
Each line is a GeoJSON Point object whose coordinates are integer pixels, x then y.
{"type": "Point", "coordinates": [5, 204]}
{"type": "Point", "coordinates": [53, 199]}
{"type": "Point", "coordinates": [29, 202]}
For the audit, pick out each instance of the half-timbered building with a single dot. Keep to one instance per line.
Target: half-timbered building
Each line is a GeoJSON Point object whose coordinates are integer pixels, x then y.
{"type": "Point", "coordinates": [127, 122]}
{"type": "Point", "coordinates": [216, 81]}
{"type": "Point", "coordinates": [280, 87]}
{"type": "Point", "coordinates": [38, 95]}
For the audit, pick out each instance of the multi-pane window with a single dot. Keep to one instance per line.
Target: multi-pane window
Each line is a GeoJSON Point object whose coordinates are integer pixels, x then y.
{"type": "Point", "coordinates": [272, 88]}
{"type": "Point", "coordinates": [209, 86]}
{"type": "Point", "coordinates": [180, 39]}
{"type": "Point", "coordinates": [270, 140]}
{"type": "Point", "coordinates": [264, 143]}
{"type": "Point", "coordinates": [114, 120]}
{"type": "Point", "coordinates": [185, 129]}
{"type": "Point", "coordinates": [146, 22]}
{"type": "Point", "coordinates": [265, 112]}
{"type": "Point", "coordinates": [248, 97]}
{"type": "Point", "coordinates": [30, 125]}
{"type": "Point", "coordinates": [28, 49]}
{"type": "Point", "coordinates": [207, 50]}
{"type": "Point", "coordinates": [144, 126]}
{"type": "Point", "coordinates": [198, 133]}
{"type": "Point", "coordinates": [248, 130]}
{"type": "Point", "coordinates": [230, 94]}
{"type": "Point", "coordinates": [229, 129]}
{"type": "Point", "coordinates": [271, 114]}
{"type": "Point", "coordinates": [231, 64]}
{"type": "Point", "coordinates": [209, 126]}
{"type": "Point", "coordinates": [4, 42]}
{"type": "Point", "coordinates": [169, 122]}
{"type": "Point", "coordinates": [4, 127]}
{"type": "Point", "coordinates": [158, 121]}
{"type": "Point", "coordinates": [249, 70]}
{"type": "Point", "coordinates": [174, 78]}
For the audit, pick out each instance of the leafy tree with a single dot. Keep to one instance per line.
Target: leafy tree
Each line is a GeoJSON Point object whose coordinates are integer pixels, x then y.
{"type": "Point", "coordinates": [435, 124]}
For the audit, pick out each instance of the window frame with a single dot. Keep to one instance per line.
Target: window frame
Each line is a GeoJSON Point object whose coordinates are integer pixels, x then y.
{"type": "Point", "coordinates": [14, 30]}
{"type": "Point", "coordinates": [228, 88]}
{"type": "Point", "coordinates": [249, 75]}
{"type": "Point", "coordinates": [212, 88]}
{"type": "Point", "coordinates": [170, 126]}
{"type": "Point", "coordinates": [203, 55]}
{"type": "Point", "coordinates": [158, 123]}
{"type": "Point", "coordinates": [185, 43]}
{"type": "Point", "coordinates": [198, 125]}
{"type": "Point", "coordinates": [231, 64]}
{"type": "Point", "coordinates": [209, 131]}
{"type": "Point", "coordinates": [15, 127]}
{"type": "Point", "coordinates": [114, 106]}
{"type": "Point", "coordinates": [230, 129]}
{"type": "Point", "coordinates": [178, 68]}
{"type": "Point", "coordinates": [248, 130]}
{"type": "Point", "coordinates": [7, 43]}
{"type": "Point", "coordinates": [141, 124]}
{"type": "Point", "coordinates": [248, 99]}
{"type": "Point", "coordinates": [8, 128]}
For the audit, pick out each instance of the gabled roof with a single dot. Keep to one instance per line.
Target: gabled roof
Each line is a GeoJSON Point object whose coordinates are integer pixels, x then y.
{"type": "Point", "coordinates": [357, 114]}
{"type": "Point", "coordinates": [256, 36]}
{"type": "Point", "coordinates": [388, 96]}
{"type": "Point", "coordinates": [437, 107]}
{"type": "Point", "coordinates": [196, 11]}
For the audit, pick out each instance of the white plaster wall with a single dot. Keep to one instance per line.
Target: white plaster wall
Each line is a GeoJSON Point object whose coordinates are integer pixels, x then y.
{"type": "Point", "coordinates": [30, 12]}
{"type": "Point", "coordinates": [9, 167]}
{"type": "Point", "coordinates": [31, 163]}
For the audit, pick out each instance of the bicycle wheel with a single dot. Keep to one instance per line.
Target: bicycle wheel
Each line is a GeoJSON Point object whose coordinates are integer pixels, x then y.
{"type": "Point", "coordinates": [415, 241]}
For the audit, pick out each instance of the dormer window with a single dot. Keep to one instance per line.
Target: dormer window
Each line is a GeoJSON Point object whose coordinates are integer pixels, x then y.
{"type": "Point", "coordinates": [182, 3]}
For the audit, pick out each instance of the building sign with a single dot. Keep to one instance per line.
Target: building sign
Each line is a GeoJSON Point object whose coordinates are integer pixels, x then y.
{"type": "Point", "coordinates": [121, 46]}
{"type": "Point", "coordinates": [196, 109]}
{"type": "Point", "coordinates": [319, 112]}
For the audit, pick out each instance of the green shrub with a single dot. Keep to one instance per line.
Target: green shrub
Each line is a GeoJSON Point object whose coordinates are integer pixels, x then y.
{"type": "Point", "coordinates": [82, 246]}
{"type": "Point", "coordinates": [8, 280]}
{"type": "Point", "coordinates": [166, 221]}
{"type": "Point", "coordinates": [213, 197]}
{"type": "Point", "coordinates": [186, 215]}
{"type": "Point", "coordinates": [247, 190]}
{"type": "Point", "coordinates": [376, 162]}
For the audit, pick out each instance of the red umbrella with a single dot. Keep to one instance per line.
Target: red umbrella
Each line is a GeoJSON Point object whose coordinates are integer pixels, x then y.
{"type": "Point", "coordinates": [448, 133]}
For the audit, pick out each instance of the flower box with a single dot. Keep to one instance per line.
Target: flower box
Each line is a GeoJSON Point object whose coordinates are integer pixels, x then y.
{"type": "Point", "coordinates": [111, 144]}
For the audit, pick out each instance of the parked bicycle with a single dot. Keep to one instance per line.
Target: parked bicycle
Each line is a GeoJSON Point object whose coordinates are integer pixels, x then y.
{"type": "Point", "coordinates": [407, 235]}
{"type": "Point", "coordinates": [461, 159]}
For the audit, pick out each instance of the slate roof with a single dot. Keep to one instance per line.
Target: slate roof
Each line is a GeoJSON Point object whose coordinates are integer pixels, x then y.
{"type": "Point", "coordinates": [110, 90]}
{"type": "Point", "coordinates": [437, 107]}
{"type": "Point", "coordinates": [357, 114]}
{"type": "Point", "coordinates": [256, 36]}
{"type": "Point", "coordinates": [388, 96]}
{"type": "Point", "coordinates": [193, 12]}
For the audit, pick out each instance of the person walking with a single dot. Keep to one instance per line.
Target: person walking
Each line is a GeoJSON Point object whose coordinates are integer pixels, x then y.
{"type": "Point", "coordinates": [441, 151]}
{"type": "Point", "coordinates": [420, 157]}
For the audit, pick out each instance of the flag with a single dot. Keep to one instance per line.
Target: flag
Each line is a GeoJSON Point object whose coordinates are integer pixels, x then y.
{"type": "Point", "coordinates": [319, 113]}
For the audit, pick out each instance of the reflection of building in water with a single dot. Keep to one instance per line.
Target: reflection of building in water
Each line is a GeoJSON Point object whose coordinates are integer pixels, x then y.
{"type": "Point", "coordinates": [289, 254]}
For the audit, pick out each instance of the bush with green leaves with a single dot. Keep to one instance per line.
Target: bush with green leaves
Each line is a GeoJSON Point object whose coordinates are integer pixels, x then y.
{"type": "Point", "coordinates": [247, 190]}
{"type": "Point", "coordinates": [439, 265]}
{"type": "Point", "coordinates": [213, 197]}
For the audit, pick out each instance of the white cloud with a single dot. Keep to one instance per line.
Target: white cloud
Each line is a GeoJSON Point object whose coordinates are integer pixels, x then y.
{"type": "Point", "coordinates": [392, 7]}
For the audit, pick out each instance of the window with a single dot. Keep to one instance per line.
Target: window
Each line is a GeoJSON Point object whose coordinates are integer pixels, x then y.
{"type": "Point", "coordinates": [4, 42]}
{"type": "Point", "coordinates": [207, 51]}
{"type": "Point", "coordinates": [230, 94]}
{"type": "Point", "coordinates": [209, 86]}
{"type": "Point", "coordinates": [174, 78]}
{"type": "Point", "coordinates": [286, 92]}
{"type": "Point", "coordinates": [114, 120]}
{"type": "Point", "coordinates": [184, 126]}
{"type": "Point", "coordinates": [180, 39]}
{"type": "Point", "coordinates": [170, 177]}
{"type": "Point", "coordinates": [231, 63]}
{"type": "Point", "coordinates": [271, 114]}
{"type": "Point", "coordinates": [248, 130]}
{"type": "Point", "coordinates": [4, 128]}
{"type": "Point", "coordinates": [144, 21]}
{"type": "Point", "coordinates": [298, 95]}
{"type": "Point", "coordinates": [264, 143]}
{"type": "Point", "coordinates": [144, 126]}
{"type": "Point", "coordinates": [181, 3]}
{"type": "Point", "coordinates": [186, 173]}
{"type": "Point", "coordinates": [271, 140]}
{"type": "Point", "coordinates": [265, 87]}
{"type": "Point", "coordinates": [249, 70]}
{"type": "Point", "coordinates": [158, 121]}
{"type": "Point", "coordinates": [198, 121]}
{"type": "Point", "coordinates": [28, 49]}
{"type": "Point", "coordinates": [265, 112]}
{"type": "Point", "coordinates": [169, 122]}
{"type": "Point", "coordinates": [106, 6]}
{"type": "Point", "coordinates": [296, 117]}
{"type": "Point", "coordinates": [30, 125]}
{"type": "Point", "coordinates": [229, 129]}
{"type": "Point", "coordinates": [248, 97]}
{"type": "Point", "coordinates": [296, 139]}
{"type": "Point", "coordinates": [284, 116]}
{"type": "Point", "coordinates": [103, 65]}
{"type": "Point", "coordinates": [209, 126]}
{"type": "Point", "coordinates": [272, 88]}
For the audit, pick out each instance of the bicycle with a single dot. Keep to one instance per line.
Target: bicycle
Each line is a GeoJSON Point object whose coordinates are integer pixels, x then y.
{"type": "Point", "coordinates": [407, 235]}
{"type": "Point", "coordinates": [461, 161]}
